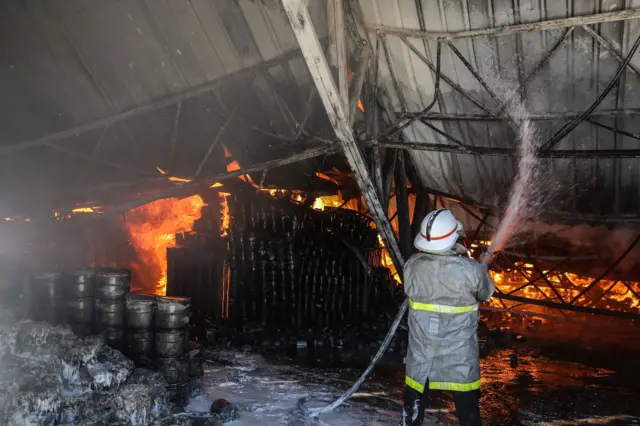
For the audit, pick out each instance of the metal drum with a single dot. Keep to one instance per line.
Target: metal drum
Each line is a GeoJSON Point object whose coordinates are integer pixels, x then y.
{"type": "Point", "coordinates": [110, 313]}
{"type": "Point", "coordinates": [172, 312]}
{"type": "Point", "coordinates": [79, 284]}
{"type": "Point", "coordinates": [174, 370]}
{"type": "Point", "coordinates": [196, 363]}
{"type": "Point", "coordinates": [82, 330]}
{"type": "Point", "coordinates": [80, 311]}
{"type": "Point", "coordinates": [139, 310]}
{"type": "Point", "coordinates": [112, 283]}
{"type": "Point", "coordinates": [171, 343]}
{"type": "Point", "coordinates": [114, 337]}
{"type": "Point", "coordinates": [46, 298]}
{"type": "Point", "coordinates": [140, 343]}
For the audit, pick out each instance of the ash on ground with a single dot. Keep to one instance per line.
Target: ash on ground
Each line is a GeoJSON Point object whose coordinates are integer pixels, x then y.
{"type": "Point", "coordinates": [48, 375]}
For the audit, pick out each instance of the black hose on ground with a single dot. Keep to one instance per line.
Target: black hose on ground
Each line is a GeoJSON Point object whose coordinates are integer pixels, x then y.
{"type": "Point", "coordinates": [361, 379]}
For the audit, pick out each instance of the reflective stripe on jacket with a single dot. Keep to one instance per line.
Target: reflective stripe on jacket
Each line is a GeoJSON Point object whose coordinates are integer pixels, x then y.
{"type": "Point", "coordinates": [444, 292]}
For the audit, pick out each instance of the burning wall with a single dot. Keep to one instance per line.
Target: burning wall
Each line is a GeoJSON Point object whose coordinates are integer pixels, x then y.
{"type": "Point", "coordinates": [152, 229]}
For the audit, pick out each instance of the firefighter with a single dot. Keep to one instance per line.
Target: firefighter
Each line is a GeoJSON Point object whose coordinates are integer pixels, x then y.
{"type": "Point", "coordinates": [444, 290]}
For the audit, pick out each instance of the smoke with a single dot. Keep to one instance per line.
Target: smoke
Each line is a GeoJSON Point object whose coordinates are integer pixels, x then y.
{"type": "Point", "coordinates": [600, 240]}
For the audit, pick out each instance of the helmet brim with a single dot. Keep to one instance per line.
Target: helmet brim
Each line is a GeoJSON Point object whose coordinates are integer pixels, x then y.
{"type": "Point", "coordinates": [435, 246]}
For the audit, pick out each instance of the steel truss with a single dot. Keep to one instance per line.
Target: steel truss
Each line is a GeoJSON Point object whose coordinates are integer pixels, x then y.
{"type": "Point", "coordinates": [589, 115]}
{"type": "Point", "coordinates": [552, 287]}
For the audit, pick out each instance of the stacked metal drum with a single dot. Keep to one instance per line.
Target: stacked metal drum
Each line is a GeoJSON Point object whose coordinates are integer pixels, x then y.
{"type": "Point", "coordinates": [47, 298]}
{"type": "Point", "coordinates": [139, 318]}
{"type": "Point", "coordinates": [151, 330]}
{"type": "Point", "coordinates": [172, 338]}
{"type": "Point", "coordinates": [78, 288]}
{"type": "Point", "coordinates": [112, 284]}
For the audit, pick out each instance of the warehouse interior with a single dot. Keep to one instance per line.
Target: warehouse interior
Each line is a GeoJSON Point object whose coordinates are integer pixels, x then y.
{"type": "Point", "coordinates": [202, 200]}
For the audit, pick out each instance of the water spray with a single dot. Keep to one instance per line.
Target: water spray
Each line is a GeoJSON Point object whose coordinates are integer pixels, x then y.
{"type": "Point", "coordinates": [519, 207]}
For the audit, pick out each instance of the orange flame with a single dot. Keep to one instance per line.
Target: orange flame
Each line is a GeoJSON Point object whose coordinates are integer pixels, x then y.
{"type": "Point", "coordinates": [224, 213]}
{"type": "Point", "coordinates": [387, 262]}
{"type": "Point", "coordinates": [83, 210]}
{"type": "Point", "coordinates": [227, 153]}
{"type": "Point", "coordinates": [152, 230]}
{"type": "Point", "coordinates": [179, 179]}
{"type": "Point", "coordinates": [619, 297]}
{"type": "Point", "coordinates": [333, 201]}
{"type": "Point", "coordinates": [326, 177]}
{"type": "Point", "coordinates": [360, 106]}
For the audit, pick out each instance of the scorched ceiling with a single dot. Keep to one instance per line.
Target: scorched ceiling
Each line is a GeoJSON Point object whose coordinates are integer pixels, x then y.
{"type": "Point", "coordinates": [98, 95]}
{"type": "Point", "coordinates": [465, 146]}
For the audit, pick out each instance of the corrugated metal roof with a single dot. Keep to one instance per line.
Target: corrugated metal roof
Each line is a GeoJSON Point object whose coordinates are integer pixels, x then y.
{"type": "Point", "coordinates": [66, 63]}
{"type": "Point", "coordinates": [570, 81]}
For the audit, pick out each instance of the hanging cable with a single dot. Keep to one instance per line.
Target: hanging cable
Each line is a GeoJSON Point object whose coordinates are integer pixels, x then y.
{"type": "Point", "coordinates": [568, 127]}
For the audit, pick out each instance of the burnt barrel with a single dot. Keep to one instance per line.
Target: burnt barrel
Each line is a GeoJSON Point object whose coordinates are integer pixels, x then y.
{"type": "Point", "coordinates": [174, 370]}
{"type": "Point", "coordinates": [79, 284]}
{"type": "Point", "coordinates": [172, 312]}
{"type": "Point", "coordinates": [114, 337]}
{"type": "Point", "coordinates": [140, 343]}
{"type": "Point", "coordinates": [171, 343]}
{"type": "Point", "coordinates": [110, 313]}
{"type": "Point", "coordinates": [112, 283]}
{"type": "Point", "coordinates": [47, 299]}
{"type": "Point", "coordinates": [139, 310]}
{"type": "Point", "coordinates": [80, 311]}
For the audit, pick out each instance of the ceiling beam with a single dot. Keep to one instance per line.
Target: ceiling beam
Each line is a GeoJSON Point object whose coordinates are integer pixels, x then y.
{"type": "Point", "coordinates": [191, 187]}
{"type": "Point", "coordinates": [146, 108]}
{"type": "Point", "coordinates": [436, 116]}
{"type": "Point", "coordinates": [450, 82]}
{"type": "Point", "coordinates": [338, 47]}
{"type": "Point", "coordinates": [505, 152]}
{"type": "Point", "coordinates": [552, 24]}
{"type": "Point", "coordinates": [305, 33]}
{"type": "Point", "coordinates": [609, 47]}
{"type": "Point", "coordinates": [358, 82]}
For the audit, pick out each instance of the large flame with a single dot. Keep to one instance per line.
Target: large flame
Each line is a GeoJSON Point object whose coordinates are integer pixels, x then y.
{"type": "Point", "coordinates": [606, 294]}
{"type": "Point", "coordinates": [333, 201]}
{"type": "Point", "coordinates": [152, 230]}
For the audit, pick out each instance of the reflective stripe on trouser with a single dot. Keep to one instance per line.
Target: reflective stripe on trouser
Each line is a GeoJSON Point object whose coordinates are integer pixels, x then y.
{"type": "Point", "coordinates": [444, 309]}
{"type": "Point", "coordinates": [459, 387]}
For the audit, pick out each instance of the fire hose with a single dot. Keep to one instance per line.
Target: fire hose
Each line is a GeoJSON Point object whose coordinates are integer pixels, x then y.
{"type": "Point", "coordinates": [403, 308]}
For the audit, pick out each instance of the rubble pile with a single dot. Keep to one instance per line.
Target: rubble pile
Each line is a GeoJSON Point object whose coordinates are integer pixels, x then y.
{"type": "Point", "coordinates": [48, 375]}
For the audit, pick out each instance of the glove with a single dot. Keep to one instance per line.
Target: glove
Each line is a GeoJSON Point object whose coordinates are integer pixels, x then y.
{"type": "Point", "coordinates": [486, 257]}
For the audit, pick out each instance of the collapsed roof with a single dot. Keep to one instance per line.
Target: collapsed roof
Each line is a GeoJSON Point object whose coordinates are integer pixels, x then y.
{"type": "Point", "coordinates": [101, 97]}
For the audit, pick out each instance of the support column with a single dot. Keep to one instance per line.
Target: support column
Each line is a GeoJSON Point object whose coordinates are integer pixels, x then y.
{"type": "Point", "coordinates": [402, 205]}
{"type": "Point", "coordinates": [319, 68]}
{"type": "Point", "coordinates": [337, 46]}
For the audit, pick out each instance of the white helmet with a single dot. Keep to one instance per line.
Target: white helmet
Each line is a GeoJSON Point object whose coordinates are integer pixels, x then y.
{"type": "Point", "coordinates": [438, 232]}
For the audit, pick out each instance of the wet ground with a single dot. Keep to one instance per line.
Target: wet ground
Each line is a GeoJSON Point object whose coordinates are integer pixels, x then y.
{"type": "Point", "coordinates": [554, 386]}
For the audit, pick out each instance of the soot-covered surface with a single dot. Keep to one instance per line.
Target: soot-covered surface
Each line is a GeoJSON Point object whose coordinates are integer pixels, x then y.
{"type": "Point", "coordinates": [50, 376]}
{"type": "Point", "coordinates": [544, 388]}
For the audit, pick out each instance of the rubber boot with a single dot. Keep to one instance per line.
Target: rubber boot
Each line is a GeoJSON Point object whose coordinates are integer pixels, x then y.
{"type": "Point", "coordinates": [468, 408]}
{"type": "Point", "coordinates": [413, 409]}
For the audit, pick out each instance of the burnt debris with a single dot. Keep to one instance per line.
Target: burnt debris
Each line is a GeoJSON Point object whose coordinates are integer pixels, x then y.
{"type": "Point", "coordinates": [289, 271]}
